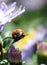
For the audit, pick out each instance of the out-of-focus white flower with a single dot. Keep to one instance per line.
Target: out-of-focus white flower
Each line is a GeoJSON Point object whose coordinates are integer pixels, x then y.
{"type": "Point", "coordinates": [9, 13]}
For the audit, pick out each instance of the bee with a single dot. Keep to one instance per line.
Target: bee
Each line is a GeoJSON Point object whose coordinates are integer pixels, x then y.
{"type": "Point", "coordinates": [18, 34]}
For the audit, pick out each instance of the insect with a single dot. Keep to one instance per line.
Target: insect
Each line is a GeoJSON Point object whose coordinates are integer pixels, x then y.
{"type": "Point", "coordinates": [18, 34]}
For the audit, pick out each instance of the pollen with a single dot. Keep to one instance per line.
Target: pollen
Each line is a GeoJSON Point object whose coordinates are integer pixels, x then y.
{"type": "Point", "coordinates": [21, 43]}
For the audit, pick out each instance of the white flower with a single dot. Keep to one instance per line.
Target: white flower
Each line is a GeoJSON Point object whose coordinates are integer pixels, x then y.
{"type": "Point", "coordinates": [9, 13]}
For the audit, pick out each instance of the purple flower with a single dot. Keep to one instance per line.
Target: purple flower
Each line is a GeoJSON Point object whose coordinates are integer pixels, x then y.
{"type": "Point", "coordinates": [1, 27]}
{"type": "Point", "coordinates": [7, 14]}
{"type": "Point", "coordinates": [14, 55]}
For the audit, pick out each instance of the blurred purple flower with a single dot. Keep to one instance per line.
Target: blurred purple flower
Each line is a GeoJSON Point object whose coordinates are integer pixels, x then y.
{"type": "Point", "coordinates": [14, 55]}
{"type": "Point", "coordinates": [9, 13]}
{"type": "Point", "coordinates": [1, 27]}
